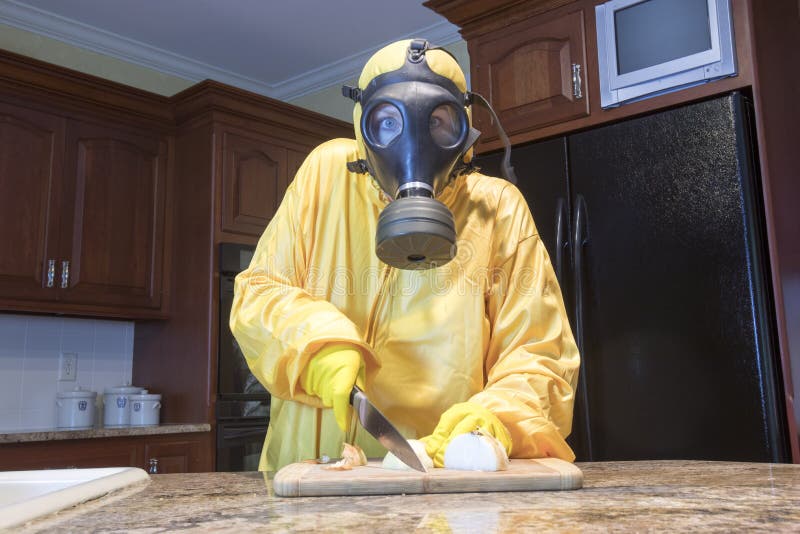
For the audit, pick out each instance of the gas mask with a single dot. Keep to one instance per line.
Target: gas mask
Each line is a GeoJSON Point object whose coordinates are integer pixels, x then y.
{"type": "Point", "coordinates": [415, 131]}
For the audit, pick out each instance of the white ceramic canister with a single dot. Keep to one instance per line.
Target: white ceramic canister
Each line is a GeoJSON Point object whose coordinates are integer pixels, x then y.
{"type": "Point", "coordinates": [76, 409]}
{"type": "Point", "coordinates": [145, 409]}
{"type": "Point", "coordinates": [117, 405]}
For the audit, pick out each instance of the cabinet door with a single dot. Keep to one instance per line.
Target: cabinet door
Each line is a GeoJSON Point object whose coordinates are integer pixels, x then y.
{"type": "Point", "coordinates": [526, 72]}
{"type": "Point", "coordinates": [254, 178]}
{"type": "Point", "coordinates": [176, 456]}
{"type": "Point", "coordinates": [113, 216]}
{"type": "Point", "coordinates": [82, 453]}
{"type": "Point", "coordinates": [31, 150]}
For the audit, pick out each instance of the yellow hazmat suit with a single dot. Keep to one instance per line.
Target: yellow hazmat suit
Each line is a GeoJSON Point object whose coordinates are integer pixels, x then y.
{"type": "Point", "coordinates": [488, 327]}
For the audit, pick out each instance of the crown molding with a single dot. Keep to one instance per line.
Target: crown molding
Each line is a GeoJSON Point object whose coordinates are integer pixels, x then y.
{"type": "Point", "coordinates": [123, 48]}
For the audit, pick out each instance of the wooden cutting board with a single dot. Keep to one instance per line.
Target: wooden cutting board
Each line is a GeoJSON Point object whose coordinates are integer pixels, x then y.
{"type": "Point", "coordinates": [311, 480]}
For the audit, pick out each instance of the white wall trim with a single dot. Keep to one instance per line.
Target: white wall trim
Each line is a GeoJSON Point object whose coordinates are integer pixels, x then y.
{"type": "Point", "coordinates": [110, 44]}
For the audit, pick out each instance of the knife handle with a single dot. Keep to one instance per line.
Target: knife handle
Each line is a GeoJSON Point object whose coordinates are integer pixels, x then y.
{"type": "Point", "coordinates": [355, 390]}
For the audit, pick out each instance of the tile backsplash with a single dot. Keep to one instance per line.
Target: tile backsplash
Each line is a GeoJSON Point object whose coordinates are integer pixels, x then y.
{"type": "Point", "coordinates": [30, 347]}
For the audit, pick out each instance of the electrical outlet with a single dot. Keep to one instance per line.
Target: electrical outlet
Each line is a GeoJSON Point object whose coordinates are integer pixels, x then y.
{"type": "Point", "coordinates": [68, 366]}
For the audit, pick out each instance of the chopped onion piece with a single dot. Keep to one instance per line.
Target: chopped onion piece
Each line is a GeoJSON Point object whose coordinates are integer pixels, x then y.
{"type": "Point", "coordinates": [352, 456]}
{"type": "Point", "coordinates": [476, 451]}
{"type": "Point", "coordinates": [390, 461]}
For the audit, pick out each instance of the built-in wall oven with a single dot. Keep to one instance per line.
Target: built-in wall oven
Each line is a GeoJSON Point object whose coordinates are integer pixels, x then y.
{"type": "Point", "coordinates": [242, 408]}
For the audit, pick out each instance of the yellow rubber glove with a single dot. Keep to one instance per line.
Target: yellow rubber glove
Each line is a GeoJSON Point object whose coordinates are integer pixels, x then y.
{"type": "Point", "coordinates": [331, 375]}
{"type": "Point", "coordinates": [459, 419]}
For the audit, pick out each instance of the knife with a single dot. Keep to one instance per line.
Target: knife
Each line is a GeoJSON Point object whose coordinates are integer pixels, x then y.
{"type": "Point", "coordinates": [381, 429]}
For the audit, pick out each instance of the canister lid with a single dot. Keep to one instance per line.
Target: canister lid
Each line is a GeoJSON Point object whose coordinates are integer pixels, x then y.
{"type": "Point", "coordinates": [77, 393]}
{"type": "Point", "coordinates": [145, 397]}
{"type": "Point", "coordinates": [122, 390]}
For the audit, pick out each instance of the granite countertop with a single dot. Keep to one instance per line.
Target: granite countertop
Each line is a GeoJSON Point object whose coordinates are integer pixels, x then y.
{"type": "Point", "coordinates": [23, 436]}
{"type": "Point", "coordinates": [653, 495]}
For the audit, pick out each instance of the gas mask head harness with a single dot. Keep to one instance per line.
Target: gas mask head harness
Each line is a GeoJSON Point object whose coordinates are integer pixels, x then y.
{"type": "Point", "coordinates": [415, 131]}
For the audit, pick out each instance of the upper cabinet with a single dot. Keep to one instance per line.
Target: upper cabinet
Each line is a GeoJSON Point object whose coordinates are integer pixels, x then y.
{"type": "Point", "coordinates": [112, 215]}
{"type": "Point", "coordinates": [83, 215]}
{"type": "Point", "coordinates": [31, 163]}
{"type": "Point", "coordinates": [254, 177]}
{"type": "Point", "coordinates": [83, 195]}
{"type": "Point", "coordinates": [242, 150]}
{"type": "Point", "coordinates": [533, 74]}
{"type": "Point", "coordinates": [256, 170]}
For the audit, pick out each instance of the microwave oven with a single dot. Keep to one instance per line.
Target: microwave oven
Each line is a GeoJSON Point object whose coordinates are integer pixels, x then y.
{"type": "Point", "coordinates": [651, 47]}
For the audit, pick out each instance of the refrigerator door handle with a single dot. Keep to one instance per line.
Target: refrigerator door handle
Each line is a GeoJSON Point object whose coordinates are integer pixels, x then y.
{"type": "Point", "coordinates": [581, 237]}
{"type": "Point", "coordinates": [579, 240]}
{"type": "Point", "coordinates": [561, 238]}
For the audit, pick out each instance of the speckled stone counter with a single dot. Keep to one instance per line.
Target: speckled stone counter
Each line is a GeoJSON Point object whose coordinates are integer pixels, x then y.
{"type": "Point", "coordinates": [623, 496]}
{"type": "Point", "coordinates": [57, 434]}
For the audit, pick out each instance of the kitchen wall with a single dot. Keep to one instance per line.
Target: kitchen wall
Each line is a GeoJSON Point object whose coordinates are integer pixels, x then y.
{"type": "Point", "coordinates": [329, 101]}
{"type": "Point", "coordinates": [30, 346]}
{"type": "Point", "coordinates": [52, 51]}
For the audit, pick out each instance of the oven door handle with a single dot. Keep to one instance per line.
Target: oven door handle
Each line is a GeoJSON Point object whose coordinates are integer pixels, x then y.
{"type": "Point", "coordinates": [242, 432]}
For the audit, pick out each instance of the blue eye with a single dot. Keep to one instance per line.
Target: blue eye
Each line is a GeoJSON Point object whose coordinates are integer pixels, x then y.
{"type": "Point", "coordinates": [384, 124]}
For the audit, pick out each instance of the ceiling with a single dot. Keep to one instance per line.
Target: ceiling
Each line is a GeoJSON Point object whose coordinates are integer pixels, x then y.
{"type": "Point", "coordinates": [283, 49]}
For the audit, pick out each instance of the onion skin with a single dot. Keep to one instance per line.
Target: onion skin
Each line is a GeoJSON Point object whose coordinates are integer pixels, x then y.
{"type": "Point", "coordinates": [476, 451]}
{"type": "Point", "coordinates": [352, 456]}
{"type": "Point", "coordinates": [390, 461]}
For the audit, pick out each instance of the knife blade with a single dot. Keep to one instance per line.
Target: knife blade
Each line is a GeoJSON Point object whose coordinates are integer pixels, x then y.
{"type": "Point", "coordinates": [381, 429]}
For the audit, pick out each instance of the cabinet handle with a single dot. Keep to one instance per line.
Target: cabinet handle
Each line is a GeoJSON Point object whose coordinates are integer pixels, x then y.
{"type": "Point", "coordinates": [51, 272]}
{"type": "Point", "coordinates": [64, 274]}
{"type": "Point", "coordinates": [580, 238]}
{"type": "Point", "coordinates": [577, 90]}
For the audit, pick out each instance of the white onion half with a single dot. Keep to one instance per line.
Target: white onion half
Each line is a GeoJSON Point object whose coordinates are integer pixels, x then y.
{"type": "Point", "coordinates": [475, 451]}
{"type": "Point", "coordinates": [390, 461]}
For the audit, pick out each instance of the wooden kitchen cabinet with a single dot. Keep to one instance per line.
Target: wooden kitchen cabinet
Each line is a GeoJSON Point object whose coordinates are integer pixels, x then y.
{"type": "Point", "coordinates": [112, 216]}
{"type": "Point", "coordinates": [83, 214]}
{"type": "Point", "coordinates": [83, 453]}
{"type": "Point", "coordinates": [83, 191]}
{"type": "Point", "coordinates": [31, 155]}
{"type": "Point", "coordinates": [532, 73]}
{"type": "Point", "coordinates": [176, 453]}
{"type": "Point", "coordinates": [255, 175]}
{"type": "Point", "coordinates": [173, 456]}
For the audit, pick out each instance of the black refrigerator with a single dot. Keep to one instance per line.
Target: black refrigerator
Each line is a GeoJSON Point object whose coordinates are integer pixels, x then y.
{"type": "Point", "coordinates": [655, 229]}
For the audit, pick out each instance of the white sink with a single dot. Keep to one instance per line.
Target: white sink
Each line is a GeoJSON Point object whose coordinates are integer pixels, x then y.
{"type": "Point", "coordinates": [26, 495]}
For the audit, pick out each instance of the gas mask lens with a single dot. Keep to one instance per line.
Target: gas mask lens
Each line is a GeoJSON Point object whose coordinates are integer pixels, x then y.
{"type": "Point", "coordinates": [384, 124]}
{"type": "Point", "coordinates": [445, 125]}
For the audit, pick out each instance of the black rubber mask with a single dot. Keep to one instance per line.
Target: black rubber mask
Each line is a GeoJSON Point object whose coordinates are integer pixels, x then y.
{"type": "Point", "coordinates": [414, 134]}
{"type": "Point", "coordinates": [415, 130]}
